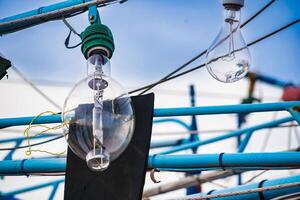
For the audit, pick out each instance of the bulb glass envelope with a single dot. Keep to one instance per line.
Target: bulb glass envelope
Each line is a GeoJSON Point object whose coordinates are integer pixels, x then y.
{"type": "Point", "coordinates": [114, 127]}
{"type": "Point", "coordinates": [228, 58]}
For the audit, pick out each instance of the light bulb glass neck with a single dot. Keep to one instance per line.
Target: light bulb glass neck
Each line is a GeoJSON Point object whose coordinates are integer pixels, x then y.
{"type": "Point", "coordinates": [232, 17]}
{"type": "Point", "coordinates": [98, 63]}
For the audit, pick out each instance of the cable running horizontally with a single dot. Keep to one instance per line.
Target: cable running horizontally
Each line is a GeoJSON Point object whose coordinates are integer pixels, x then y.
{"type": "Point", "coordinates": [202, 65]}
{"type": "Point", "coordinates": [249, 191]}
{"type": "Point", "coordinates": [199, 55]}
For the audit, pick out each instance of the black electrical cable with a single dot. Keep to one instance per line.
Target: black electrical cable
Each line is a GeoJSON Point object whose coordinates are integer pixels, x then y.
{"type": "Point", "coordinates": [257, 13]}
{"type": "Point", "coordinates": [202, 65]}
{"type": "Point", "coordinates": [26, 146]}
{"type": "Point", "coordinates": [148, 87]}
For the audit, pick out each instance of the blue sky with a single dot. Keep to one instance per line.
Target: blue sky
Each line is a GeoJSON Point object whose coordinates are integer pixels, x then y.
{"type": "Point", "coordinates": [152, 38]}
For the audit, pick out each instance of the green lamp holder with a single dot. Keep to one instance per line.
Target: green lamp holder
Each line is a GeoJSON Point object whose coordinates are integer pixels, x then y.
{"type": "Point", "coordinates": [96, 38]}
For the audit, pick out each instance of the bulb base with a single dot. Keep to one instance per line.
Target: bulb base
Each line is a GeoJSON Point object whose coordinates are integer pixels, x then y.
{"type": "Point", "coordinates": [233, 4]}
{"type": "Point", "coordinates": [98, 160]}
{"type": "Point", "coordinates": [97, 38]}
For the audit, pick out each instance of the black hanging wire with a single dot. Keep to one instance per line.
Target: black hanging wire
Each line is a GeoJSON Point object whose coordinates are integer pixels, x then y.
{"type": "Point", "coordinates": [202, 65]}
{"type": "Point", "coordinates": [71, 30]}
{"type": "Point", "coordinates": [148, 87]}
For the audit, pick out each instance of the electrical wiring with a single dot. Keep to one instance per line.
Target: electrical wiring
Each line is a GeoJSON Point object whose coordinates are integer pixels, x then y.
{"type": "Point", "coordinates": [202, 65]}
{"type": "Point", "coordinates": [203, 52]}
{"type": "Point", "coordinates": [27, 135]}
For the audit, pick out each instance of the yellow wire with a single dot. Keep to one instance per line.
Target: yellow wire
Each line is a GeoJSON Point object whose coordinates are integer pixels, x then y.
{"type": "Point", "coordinates": [47, 128]}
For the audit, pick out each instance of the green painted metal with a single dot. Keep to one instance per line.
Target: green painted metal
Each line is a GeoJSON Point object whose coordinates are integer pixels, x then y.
{"type": "Point", "coordinates": [97, 36]}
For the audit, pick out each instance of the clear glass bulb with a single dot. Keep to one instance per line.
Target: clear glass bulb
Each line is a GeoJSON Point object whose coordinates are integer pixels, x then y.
{"type": "Point", "coordinates": [98, 117]}
{"type": "Point", "coordinates": [228, 58]}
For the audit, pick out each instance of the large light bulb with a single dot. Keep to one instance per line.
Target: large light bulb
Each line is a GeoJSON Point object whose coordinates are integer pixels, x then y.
{"type": "Point", "coordinates": [228, 58]}
{"type": "Point", "coordinates": [98, 117]}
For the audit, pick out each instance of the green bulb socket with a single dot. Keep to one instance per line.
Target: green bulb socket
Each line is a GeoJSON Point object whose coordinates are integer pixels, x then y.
{"type": "Point", "coordinates": [97, 38]}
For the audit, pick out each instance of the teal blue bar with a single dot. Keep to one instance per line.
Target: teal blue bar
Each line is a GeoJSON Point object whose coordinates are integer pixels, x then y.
{"type": "Point", "coordinates": [20, 121]}
{"type": "Point", "coordinates": [44, 9]}
{"type": "Point", "coordinates": [272, 81]}
{"type": "Point", "coordinates": [248, 161]}
{"type": "Point", "coordinates": [244, 142]}
{"type": "Point", "coordinates": [270, 124]}
{"type": "Point", "coordinates": [168, 112]}
{"type": "Point", "coordinates": [21, 167]}
{"type": "Point", "coordinates": [228, 160]}
{"type": "Point", "coordinates": [166, 143]}
{"type": "Point", "coordinates": [295, 114]}
{"type": "Point", "coordinates": [227, 109]}
{"type": "Point", "coordinates": [9, 27]}
{"type": "Point", "coordinates": [173, 120]}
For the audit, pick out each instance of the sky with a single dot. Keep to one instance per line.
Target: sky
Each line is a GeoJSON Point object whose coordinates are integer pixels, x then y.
{"type": "Point", "coordinates": [152, 38]}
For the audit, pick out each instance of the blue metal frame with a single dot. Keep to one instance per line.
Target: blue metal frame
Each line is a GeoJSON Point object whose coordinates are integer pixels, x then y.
{"type": "Point", "coordinates": [191, 162]}
{"type": "Point", "coordinates": [169, 112]}
{"type": "Point", "coordinates": [9, 28]}
{"type": "Point", "coordinates": [235, 133]}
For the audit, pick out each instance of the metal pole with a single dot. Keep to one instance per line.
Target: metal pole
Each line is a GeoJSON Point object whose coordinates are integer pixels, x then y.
{"type": "Point", "coordinates": [227, 109]}
{"type": "Point", "coordinates": [243, 161]}
{"type": "Point", "coordinates": [229, 135]}
{"type": "Point", "coordinates": [272, 81]}
{"type": "Point", "coordinates": [193, 138]}
{"type": "Point", "coordinates": [226, 161]}
{"type": "Point", "coordinates": [46, 13]}
{"type": "Point", "coordinates": [173, 120]}
{"type": "Point", "coordinates": [167, 112]}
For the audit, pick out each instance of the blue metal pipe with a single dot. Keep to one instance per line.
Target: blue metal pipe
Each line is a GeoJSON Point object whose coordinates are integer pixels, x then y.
{"type": "Point", "coordinates": [22, 167]}
{"type": "Point", "coordinates": [244, 142]}
{"type": "Point", "coordinates": [20, 121]}
{"type": "Point", "coordinates": [43, 9]}
{"type": "Point", "coordinates": [29, 189]}
{"type": "Point", "coordinates": [227, 109]}
{"type": "Point", "coordinates": [295, 114]}
{"type": "Point", "coordinates": [262, 195]}
{"type": "Point", "coordinates": [229, 135]}
{"type": "Point", "coordinates": [30, 18]}
{"type": "Point", "coordinates": [166, 143]}
{"type": "Point", "coordinates": [173, 120]}
{"type": "Point", "coordinates": [226, 160]}
{"type": "Point", "coordinates": [280, 160]}
{"type": "Point", "coordinates": [272, 81]}
{"type": "Point", "coordinates": [167, 112]}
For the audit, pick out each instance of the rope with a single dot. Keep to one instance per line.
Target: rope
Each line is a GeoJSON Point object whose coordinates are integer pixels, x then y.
{"type": "Point", "coordinates": [236, 193]}
{"type": "Point", "coordinates": [27, 135]}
